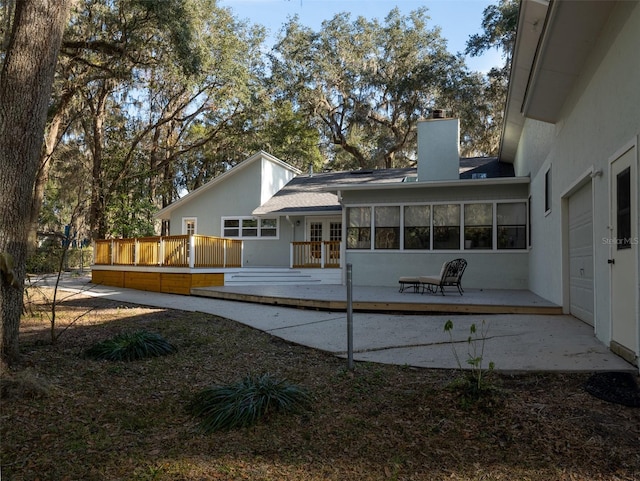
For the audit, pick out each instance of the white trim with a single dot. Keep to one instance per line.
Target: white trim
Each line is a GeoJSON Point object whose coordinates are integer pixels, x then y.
{"type": "Point", "coordinates": [436, 183]}
{"type": "Point", "coordinates": [632, 144]}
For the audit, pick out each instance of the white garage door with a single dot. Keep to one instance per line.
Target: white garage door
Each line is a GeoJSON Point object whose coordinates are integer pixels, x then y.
{"type": "Point", "coordinates": [581, 254]}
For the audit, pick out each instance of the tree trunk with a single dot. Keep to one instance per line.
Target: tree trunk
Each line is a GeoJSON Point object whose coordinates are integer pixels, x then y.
{"type": "Point", "coordinates": [25, 89]}
{"type": "Point", "coordinates": [99, 190]}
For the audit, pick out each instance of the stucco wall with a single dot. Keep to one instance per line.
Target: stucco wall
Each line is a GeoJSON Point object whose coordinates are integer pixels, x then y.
{"type": "Point", "coordinates": [600, 117]}
{"type": "Point", "coordinates": [495, 270]}
{"type": "Point", "coordinates": [237, 195]}
{"type": "Point", "coordinates": [503, 270]}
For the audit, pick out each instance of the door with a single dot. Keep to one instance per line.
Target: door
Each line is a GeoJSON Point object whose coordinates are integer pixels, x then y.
{"type": "Point", "coordinates": [623, 254]}
{"type": "Point", "coordinates": [581, 254]}
{"type": "Point", "coordinates": [325, 229]}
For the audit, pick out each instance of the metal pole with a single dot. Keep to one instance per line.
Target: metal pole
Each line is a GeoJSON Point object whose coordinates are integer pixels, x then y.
{"type": "Point", "coordinates": [349, 318]}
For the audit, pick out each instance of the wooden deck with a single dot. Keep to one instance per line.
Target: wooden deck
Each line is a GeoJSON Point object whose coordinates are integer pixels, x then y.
{"type": "Point", "coordinates": [387, 299]}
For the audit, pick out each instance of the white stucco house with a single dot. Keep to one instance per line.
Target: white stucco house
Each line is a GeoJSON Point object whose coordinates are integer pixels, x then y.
{"type": "Point", "coordinates": [555, 213]}
{"type": "Point", "coordinates": [386, 223]}
{"type": "Point", "coordinates": [572, 126]}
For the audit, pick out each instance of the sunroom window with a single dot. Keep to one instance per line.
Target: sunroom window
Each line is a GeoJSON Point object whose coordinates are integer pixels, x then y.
{"type": "Point", "coordinates": [446, 226]}
{"type": "Point", "coordinates": [478, 226]}
{"type": "Point", "coordinates": [417, 227]}
{"type": "Point", "coordinates": [359, 228]}
{"type": "Point", "coordinates": [387, 227]}
{"type": "Point", "coordinates": [512, 225]}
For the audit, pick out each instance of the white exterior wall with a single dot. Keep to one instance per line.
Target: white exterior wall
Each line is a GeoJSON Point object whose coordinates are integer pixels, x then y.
{"type": "Point", "coordinates": [499, 270]}
{"type": "Point", "coordinates": [238, 195]}
{"type": "Point", "coordinates": [600, 117]}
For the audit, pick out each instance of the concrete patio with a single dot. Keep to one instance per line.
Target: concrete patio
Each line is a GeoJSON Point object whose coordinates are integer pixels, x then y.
{"type": "Point", "coordinates": [514, 342]}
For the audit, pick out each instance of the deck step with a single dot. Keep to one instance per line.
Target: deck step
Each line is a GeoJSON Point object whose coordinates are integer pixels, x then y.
{"type": "Point", "coordinates": [248, 277]}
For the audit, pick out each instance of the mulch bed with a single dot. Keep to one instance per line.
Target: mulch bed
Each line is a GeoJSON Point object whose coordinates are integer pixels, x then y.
{"type": "Point", "coordinates": [63, 417]}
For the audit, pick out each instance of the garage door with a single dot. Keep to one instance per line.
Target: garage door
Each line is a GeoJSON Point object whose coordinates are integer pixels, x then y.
{"type": "Point", "coordinates": [581, 254]}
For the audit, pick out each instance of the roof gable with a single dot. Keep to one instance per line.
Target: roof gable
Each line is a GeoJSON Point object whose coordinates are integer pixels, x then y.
{"type": "Point", "coordinates": [257, 157]}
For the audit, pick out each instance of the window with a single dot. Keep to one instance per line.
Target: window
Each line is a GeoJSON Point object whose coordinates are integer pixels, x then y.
{"type": "Point", "coordinates": [417, 227]}
{"type": "Point", "coordinates": [529, 217]}
{"type": "Point", "coordinates": [512, 225]}
{"type": "Point", "coordinates": [478, 226]}
{"type": "Point", "coordinates": [623, 209]}
{"type": "Point", "coordinates": [359, 228]}
{"type": "Point", "coordinates": [268, 227]}
{"type": "Point", "coordinates": [249, 227]}
{"type": "Point", "coordinates": [189, 225]}
{"type": "Point", "coordinates": [547, 191]}
{"type": "Point", "coordinates": [231, 228]}
{"type": "Point", "coordinates": [488, 226]}
{"type": "Point", "coordinates": [446, 226]}
{"type": "Point", "coordinates": [387, 227]}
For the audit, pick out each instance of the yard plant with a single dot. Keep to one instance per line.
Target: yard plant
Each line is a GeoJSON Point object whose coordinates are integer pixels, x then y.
{"type": "Point", "coordinates": [246, 402]}
{"type": "Point", "coordinates": [131, 346]}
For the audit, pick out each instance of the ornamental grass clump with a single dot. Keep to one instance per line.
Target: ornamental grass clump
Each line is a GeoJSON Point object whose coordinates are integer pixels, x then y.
{"type": "Point", "coordinates": [131, 346]}
{"type": "Point", "coordinates": [246, 402]}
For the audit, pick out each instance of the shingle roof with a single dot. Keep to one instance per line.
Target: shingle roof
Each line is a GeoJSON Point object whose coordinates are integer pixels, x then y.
{"type": "Point", "coordinates": [305, 194]}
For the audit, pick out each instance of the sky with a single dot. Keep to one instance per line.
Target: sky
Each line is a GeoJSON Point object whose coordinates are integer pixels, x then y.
{"type": "Point", "coordinates": [458, 19]}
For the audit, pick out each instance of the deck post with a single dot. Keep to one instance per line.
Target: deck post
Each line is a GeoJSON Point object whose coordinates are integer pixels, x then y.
{"type": "Point", "coordinates": [224, 253]}
{"type": "Point", "coordinates": [136, 251]}
{"type": "Point", "coordinates": [192, 251]}
{"type": "Point", "coordinates": [112, 251]}
{"type": "Point", "coordinates": [291, 255]}
{"type": "Point", "coordinates": [349, 317]}
{"type": "Point", "coordinates": [161, 251]}
{"type": "Point", "coordinates": [322, 254]}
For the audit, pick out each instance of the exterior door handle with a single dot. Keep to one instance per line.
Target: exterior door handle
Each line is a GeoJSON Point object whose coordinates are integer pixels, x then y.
{"type": "Point", "coordinates": [611, 261]}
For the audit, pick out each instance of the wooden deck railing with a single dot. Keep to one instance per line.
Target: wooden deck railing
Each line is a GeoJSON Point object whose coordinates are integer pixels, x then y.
{"type": "Point", "coordinates": [324, 254]}
{"type": "Point", "coordinates": [170, 251]}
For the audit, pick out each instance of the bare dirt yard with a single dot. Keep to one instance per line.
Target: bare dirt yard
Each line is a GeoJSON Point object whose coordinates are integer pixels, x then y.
{"type": "Point", "coordinates": [64, 417]}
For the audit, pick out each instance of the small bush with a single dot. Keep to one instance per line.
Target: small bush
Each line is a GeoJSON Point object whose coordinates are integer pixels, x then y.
{"type": "Point", "coordinates": [130, 347]}
{"type": "Point", "coordinates": [246, 402]}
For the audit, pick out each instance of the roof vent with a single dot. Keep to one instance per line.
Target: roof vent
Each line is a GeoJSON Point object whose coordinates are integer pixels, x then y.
{"type": "Point", "coordinates": [439, 114]}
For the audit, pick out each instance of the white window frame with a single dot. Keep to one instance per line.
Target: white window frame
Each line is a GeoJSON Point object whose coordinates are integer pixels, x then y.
{"type": "Point", "coordinates": [184, 225]}
{"type": "Point", "coordinates": [494, 249]}
{"type": "Point", "coordinates": [259, 227]}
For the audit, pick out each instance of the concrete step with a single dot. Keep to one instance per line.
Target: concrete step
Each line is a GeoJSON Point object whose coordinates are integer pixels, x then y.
{"type": "Point", "coordinates": [282, 277]}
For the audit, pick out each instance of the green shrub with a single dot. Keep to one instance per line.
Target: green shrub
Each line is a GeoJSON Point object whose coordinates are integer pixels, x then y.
{"type": "Point", "coordinates": [246, 402]}
{"type": "Point", "coordinates": [130, 347]}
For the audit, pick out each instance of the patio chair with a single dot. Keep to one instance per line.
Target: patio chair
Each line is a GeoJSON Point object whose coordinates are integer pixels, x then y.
{"type": "Point", "coordinates": [413, 282]}
{"type": "Point", "coordinates": [450, 275]}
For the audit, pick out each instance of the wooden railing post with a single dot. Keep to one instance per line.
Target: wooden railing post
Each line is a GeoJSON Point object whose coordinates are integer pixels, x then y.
{"type": "Point", "coordinates": [291, 255]}
{"type": "Point", "coordinates": [322, 254]}
{"type": "Point", "coordinates": [161, 251]}
{"type": "Point", "coordinates": [136, 251]}
{"type": "Point", "coordinates": [192, 251]}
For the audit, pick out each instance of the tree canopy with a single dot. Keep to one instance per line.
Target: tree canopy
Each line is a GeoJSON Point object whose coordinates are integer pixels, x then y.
{"type": "Point", "coordinates": [365, 84]}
